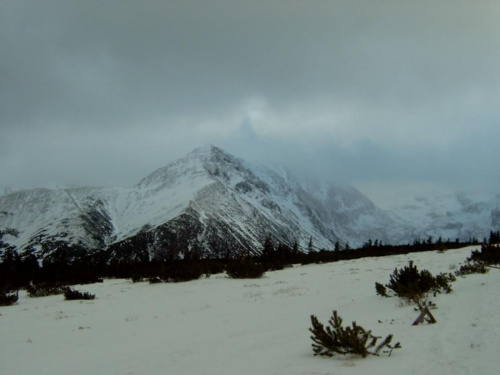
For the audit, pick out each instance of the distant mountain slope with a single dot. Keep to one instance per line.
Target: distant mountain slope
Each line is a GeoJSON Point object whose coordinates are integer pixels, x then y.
{"type": "Point", "coordinates": [457, 215]}
{"type": "Point", "coordinates": [40, 215]}
{"type": "Point", "coordinates": [208, 202]}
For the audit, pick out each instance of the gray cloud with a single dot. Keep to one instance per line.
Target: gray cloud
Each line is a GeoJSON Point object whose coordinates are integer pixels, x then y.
{"type": "Point", "coordinates": [102, 92]}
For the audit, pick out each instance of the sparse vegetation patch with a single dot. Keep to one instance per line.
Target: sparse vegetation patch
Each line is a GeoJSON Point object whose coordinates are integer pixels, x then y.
{"type": "Point", "coordinates": [335, 339]}
{"type": "Point", "coordinates": [44, 290]}
{"type": "Point", "coordinates": [72, 294]}
{"type": "Point", "coordinates": [245, 268]}
{"type": "Point", "coordinates": [412, 284]}
{"type": "Point", "coordinates": [8, 298]}
{"type": "Point", "coordinates": [480, 259]}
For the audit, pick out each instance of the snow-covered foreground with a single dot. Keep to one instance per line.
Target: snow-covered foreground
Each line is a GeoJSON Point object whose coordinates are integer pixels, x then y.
{"type": "Point", "coordinates": [220, 326]}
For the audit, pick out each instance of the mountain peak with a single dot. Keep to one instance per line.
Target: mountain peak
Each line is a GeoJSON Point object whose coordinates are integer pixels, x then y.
{"type": "Point", "coordinates": [206, 149]}
{"type": "Point", "coordinates": [201, 161]}
{"type": "Point", "coordinates": [209, 153]}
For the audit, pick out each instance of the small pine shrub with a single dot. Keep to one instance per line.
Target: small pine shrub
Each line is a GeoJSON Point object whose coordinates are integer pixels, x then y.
{"type": "Point", "coordinates": [472, 267]}
{"type": "Point", "coordinates": [185, 271]}
{"type": "Point", "coordinates": [413, 285]}
{"type": "Point", "coordinates": [336, 339]}
{"type": "Point", "coordinates": [245, 268]}
{"type": "Point", "coordinates": [443, 282]}
{"type": "Point", "coordinates": [212, 267]}
{"type": "Point", "coordinates": [154, 280]}
{"type": "Point", "coordinates": [489, 254]}
{"type": "Point", "coordinates": [71, 294]}
{"type": "Point", "coordinates": [479, 259]}
{"type": "Point", "coordinates": [177, 271]}
{"type": "Point", "coordinates": [425, 303]}
{"type": "Point", "coordinates": [44, 290]}
{"type": "Point", "coordinates": [276, 266]}
{"type": "Point", "coordinates": [136, 278]}
{"type": "Point", "coordinates": [8, 298]}
{"type": "Point", "coordinates": [381, 290]}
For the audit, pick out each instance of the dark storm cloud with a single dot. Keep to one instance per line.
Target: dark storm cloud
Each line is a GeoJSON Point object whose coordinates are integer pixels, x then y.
{"type": "Point", "coordinates": [101, 92]}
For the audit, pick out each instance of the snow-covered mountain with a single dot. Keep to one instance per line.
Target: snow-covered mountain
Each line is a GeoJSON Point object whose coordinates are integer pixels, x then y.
{"type": "Point", "coordinates": [449, 215]}
{"type": "Point", "coordinates": [213, 203]}
{"type": "Point", "coordinates": [208, 201]}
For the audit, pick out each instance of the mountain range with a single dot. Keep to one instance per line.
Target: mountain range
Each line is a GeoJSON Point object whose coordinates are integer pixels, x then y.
{"type": "Point", "coordinates": [218, 205]}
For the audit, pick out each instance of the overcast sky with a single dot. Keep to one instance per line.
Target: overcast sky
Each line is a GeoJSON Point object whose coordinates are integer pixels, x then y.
{"type": "Point", "coordinates": [378, 94]}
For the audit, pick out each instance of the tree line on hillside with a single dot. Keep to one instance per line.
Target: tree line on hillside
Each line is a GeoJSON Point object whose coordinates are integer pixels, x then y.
{"type": "Point", "coordinates": [494, 237]}
{"type": "Point", "coordinates": [65, 264]}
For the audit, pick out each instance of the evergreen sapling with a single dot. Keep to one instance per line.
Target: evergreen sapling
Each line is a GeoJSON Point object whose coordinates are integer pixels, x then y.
{"type": "Point", "coordinates": [336, 339]}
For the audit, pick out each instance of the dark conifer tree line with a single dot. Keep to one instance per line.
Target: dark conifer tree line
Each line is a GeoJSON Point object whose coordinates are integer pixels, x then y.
{"type": "Point", "coordinates": [65, 264]}
{"type": "Point", "coordinates": [494, 237]}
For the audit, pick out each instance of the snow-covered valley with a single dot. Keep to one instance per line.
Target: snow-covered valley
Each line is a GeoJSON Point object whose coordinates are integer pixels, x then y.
{"type": "Point", "coordinates": [221, 326]}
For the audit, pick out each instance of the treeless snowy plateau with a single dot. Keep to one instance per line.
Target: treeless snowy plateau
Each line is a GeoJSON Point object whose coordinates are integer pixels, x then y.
{"type": "Point", "coordinates": [221, 326]}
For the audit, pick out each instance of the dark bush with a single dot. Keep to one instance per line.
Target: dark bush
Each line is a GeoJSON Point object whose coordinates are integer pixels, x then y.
{"type": "Point", "coordinates": [180, 270]}
{"type": "Point", "coordinates": [381, 290]}
{"type": "Point", "coordinates": [336, 339]}
{"type": "Point", "coordinates": [278, 257]}
{"type": "Point", "coordinates": [72, 294]}
{"type": "Point", "coordinates": [412, 284]}
{"type": "Point", "coordinates": [472, 267]}
{"type": "Point", "coordinates": [136, 278]}
{"type": "Point", "coordinates": [154, 280]}
{"type": "Point", "coordinates": [443, 281]}
{"type": "Point", "coordinates": [276, 266]}
{"type": "Point", "coordinates": [165, 271]}
{"type": "Point", "coordinates": [44, 290]}
{"type": "Point", "coordinates": [186, 271]}
{"type": "Point", "coordinates": [489, 254]}
{"type": "Point", "coordinates": [8, 298]}
{"type": "Point", "coordinates": [479, 259]}
{"type": "Point", "coordinates": [212, 267]}
{"type": "Point", "coordinates": [245, 268]}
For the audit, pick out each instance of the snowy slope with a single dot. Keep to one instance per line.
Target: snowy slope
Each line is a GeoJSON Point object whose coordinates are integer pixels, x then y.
{"type": "Point", "coordinates": [39, 215]}
{"type": "Point", "coordinates": [448, 215]}
{"type": "Point", "coordinates": [222, 326]}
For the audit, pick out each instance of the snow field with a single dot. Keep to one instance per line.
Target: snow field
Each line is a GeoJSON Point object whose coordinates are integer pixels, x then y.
{"type": "Point", "coordinates": [222, 326]}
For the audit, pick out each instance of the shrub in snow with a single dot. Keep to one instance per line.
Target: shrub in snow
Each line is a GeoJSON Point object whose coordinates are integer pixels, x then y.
{"type": "Point", "coordinates": [71, 294]}
{"type": "Point", "coordinates": [479, 259]}
{"type": "Point", "coordinates": [489, 254]}
{"type": "Point", "coordinates": [174, 270]}
{"type": "Point", "coordinates": [245, 268]}
{"type": "Point", "coordinates": [381, 290]}
{"type": "Point", "coordinates": [212, 267]}
{"type": "Point", "coordinates": [443, 281]}
{"type": "Point", "coordinates": [425, 304]}
{"type": "Point", "coordinates": [471, 267]}
{"type": "Point", "coordinates": [43, 290]}
{"type": "Point", "coordinates": [412, 284]}
{"type": "Point", "coordinates": [154, 280]}
{"type": "Point", "coordinates": [136, 278]}
{"type": "Point", "coordinates": [8, 298]}
{"type": "Point", "coordinates": [336, 339]}
{"type": "Point", "coordinates": [183, 271]}
{"type": "Point", "coordinates": [178, 270]}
